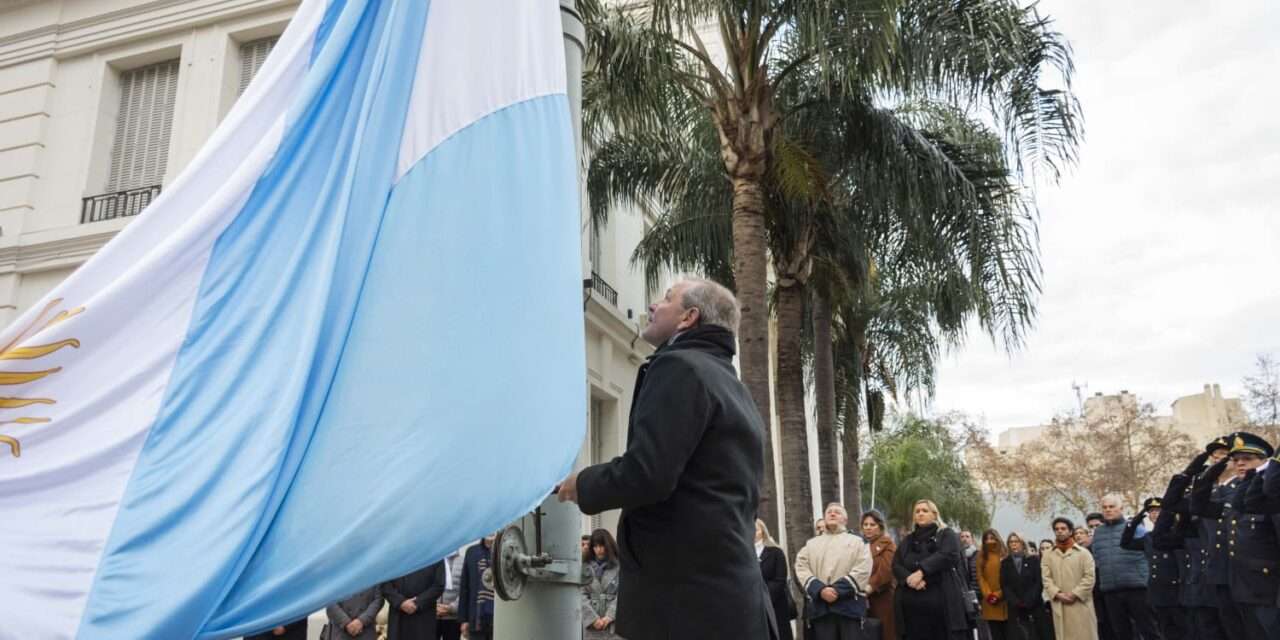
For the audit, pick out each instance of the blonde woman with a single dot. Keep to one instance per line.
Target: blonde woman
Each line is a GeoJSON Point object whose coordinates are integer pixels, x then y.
{"type": "Point", "coordinates": [773, 566]}
{"type": "Point", "coordinates": [928, 565]}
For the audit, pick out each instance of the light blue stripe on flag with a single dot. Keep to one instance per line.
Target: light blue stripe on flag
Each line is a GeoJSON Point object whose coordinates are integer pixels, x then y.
{"type": "Point", "coordinates": [460, 399]}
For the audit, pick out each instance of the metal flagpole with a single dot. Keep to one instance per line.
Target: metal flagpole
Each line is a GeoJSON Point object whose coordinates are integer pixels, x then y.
{"type": "Point", "coordinates": [537, 562]}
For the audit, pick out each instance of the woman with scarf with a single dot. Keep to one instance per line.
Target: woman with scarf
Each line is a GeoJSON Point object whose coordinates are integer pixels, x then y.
{"type": "Point", "coordinates": [881, 585]}
{"type": "Point", "coordinates": [600, 586]}
{"type": "Point", "coordinates": [929, 568]}
{"type": "Point", "coordinates": [995, 611]}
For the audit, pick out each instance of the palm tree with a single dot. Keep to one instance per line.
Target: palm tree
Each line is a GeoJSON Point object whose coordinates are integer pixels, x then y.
{"type": "Point", "coordinates": [887, 319]}
{"type": "Point", "coordinates": [654, 72]}
{"type": "Point", "coordinates": [920, 458]}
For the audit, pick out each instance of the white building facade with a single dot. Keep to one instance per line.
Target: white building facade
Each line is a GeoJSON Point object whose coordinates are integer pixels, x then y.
{"type": "Point", "coordinates": [104, 102]}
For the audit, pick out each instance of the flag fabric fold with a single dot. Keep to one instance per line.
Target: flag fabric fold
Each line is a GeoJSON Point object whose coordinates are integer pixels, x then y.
{"type": "Point", "coordinates": [345, 341]}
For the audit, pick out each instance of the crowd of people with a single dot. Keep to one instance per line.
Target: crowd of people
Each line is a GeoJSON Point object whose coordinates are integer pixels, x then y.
{"type": "Point", "coordinates": [1200, 562]}
{"type": "Point", "coordinates": [447, 600]}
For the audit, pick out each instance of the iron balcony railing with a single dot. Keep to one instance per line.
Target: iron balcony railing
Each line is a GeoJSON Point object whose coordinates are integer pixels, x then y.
{"type": "Point", "coordinates": [117, 205]}
{"type": "Point", "coordinates": [601, 287]}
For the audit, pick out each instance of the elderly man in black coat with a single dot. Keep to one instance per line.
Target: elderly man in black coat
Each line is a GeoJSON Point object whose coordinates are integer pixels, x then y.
{"type": "Point", "coordinates": [689, 482]}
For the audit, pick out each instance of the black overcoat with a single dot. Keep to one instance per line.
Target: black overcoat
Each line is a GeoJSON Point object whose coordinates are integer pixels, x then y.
{"type": "Point", "coordinates": [773, 566]}
{"type": "Point", "coordinates": [1023, 590]}
{"type": "Point", "coordinates": [424, 587]}
{"type": "Point", "coordinates": [939, 556]}
{"type": "Point", "coordinates": [688, 485]}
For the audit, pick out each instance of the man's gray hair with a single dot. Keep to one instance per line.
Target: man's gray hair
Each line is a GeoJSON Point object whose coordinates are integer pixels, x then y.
{"type": "Point", "coordinates": [715, 303]}
{"type": "Point", "coordinates": [1113, 497]}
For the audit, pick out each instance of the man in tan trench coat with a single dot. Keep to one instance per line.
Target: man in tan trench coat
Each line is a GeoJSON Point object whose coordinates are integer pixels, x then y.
{"type": "Point", "coordinates": [1067, 571]}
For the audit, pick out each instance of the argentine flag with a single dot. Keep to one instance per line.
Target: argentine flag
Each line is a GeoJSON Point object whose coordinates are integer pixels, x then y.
{"type": "Point", "coordinates": [345, 341]}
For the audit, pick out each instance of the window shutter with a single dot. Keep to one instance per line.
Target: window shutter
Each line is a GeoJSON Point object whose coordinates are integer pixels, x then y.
{"type": "Point", "coordinates": [593, 249]}
{"type": "Point", "coordinates": [252, 55]}
{"type": "Point", "coordinates": [140, 148]}
{"type": "Point", "coordinates": [597, 445]}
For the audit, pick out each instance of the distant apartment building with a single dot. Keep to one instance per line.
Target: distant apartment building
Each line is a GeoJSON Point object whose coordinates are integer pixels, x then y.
{"type": "Point", "coordinates": [1202, 416]}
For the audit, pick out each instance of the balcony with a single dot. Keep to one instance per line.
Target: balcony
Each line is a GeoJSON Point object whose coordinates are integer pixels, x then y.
{"type": "Point", "coordinates": [603, 289]}
{"type": "Point", "coordinates": [117, 205]}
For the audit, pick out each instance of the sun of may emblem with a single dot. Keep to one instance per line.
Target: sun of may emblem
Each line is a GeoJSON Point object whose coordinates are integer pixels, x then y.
{"type": "Point", "coordinates": [12, 399]}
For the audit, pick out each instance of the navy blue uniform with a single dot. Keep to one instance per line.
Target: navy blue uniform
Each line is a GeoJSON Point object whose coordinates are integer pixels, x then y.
{"type": "Point", "coordinates": [1177, 528]}
{"type": "Point", "coordinates": [1167, 574]}
{"type": "Point", "coordinates": [1255, 559]}
{"type": "Point", "coordinates": [1211, 502]}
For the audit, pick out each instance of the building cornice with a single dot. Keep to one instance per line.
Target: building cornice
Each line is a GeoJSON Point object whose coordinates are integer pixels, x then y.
{"type": "Point", "coordinates": [59, 253]}
{"type": "Point", "coordinates": [103, 30]}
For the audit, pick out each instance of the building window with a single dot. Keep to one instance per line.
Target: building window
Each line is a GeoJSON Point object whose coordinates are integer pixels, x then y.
{"type": "Point", "coordinates": [140, 149]}
{"type": "Point", "coordinates": [252, 55]}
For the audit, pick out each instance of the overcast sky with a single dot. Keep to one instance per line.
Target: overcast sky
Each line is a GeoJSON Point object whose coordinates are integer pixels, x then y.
{"type": "Point", "coordinates": [1161, 250]}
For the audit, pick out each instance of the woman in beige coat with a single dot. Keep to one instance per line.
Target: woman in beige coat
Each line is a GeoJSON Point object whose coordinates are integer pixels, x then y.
{"type": "Point", "coordinates": [1067, 571]}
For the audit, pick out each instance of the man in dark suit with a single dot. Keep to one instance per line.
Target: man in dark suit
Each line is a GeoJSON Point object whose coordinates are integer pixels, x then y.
{"type": "Point", "coordinates": [412, 599]}
{"type": "Point", "coordinates": [689, 482]}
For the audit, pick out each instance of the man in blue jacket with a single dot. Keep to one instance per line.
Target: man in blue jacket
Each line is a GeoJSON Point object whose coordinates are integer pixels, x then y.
{"type": "Point", "coordinates": [1123, 575]}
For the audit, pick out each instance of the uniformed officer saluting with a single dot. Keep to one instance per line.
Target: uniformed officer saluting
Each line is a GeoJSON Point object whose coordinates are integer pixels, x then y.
{"type": "Point", "coordinates": [1211, 492]}
{"type": "Point", "coordinates": [1252, 544]}
{"type": "Point", "coordinates": [1167, 571]}
{"type": "Point", "coordinates": [1258, 538]}
{"type": "Point", "coordinates": [1177, 528]}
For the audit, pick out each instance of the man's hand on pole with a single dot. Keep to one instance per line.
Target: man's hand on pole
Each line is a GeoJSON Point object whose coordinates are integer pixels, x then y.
{"type": "Point", "coordinates": [568, 490]}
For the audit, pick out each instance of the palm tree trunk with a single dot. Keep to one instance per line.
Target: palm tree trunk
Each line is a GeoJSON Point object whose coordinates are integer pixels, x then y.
{"type": "Point", "coordinates": [825, 395]}
{"type": "Point", "coordinates": [797, 491]}
{"type": "Point", "coordinates": [750, 274]}
{"type": "Point", "coordinates": [852, 449]}
{"type": "Point", "coordinates": [852, 470]}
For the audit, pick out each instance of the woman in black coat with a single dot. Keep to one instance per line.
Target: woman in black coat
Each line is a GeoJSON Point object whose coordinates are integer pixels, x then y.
{"type": "Point", "coordinates": [773, 566]}
{"type": "Point", "coordinates": [929, 602]}
{"type": "Point", "coordinates": [1023, 588]}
